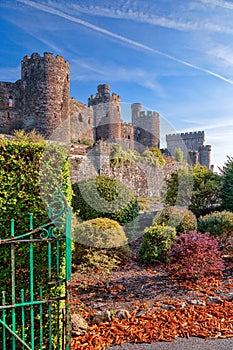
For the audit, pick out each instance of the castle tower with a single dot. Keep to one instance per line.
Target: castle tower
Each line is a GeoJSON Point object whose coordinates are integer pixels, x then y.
{"type": "Point", "coordinates": [45, 91]}
{"type": "Point", "coordinates": [146, 127]}
{"type": "Point", "coordinates": [107, 114]}
{"type": "Point", "coordinates": [205, 156]}
{"type": "Point", "coordinates": [192, 145]}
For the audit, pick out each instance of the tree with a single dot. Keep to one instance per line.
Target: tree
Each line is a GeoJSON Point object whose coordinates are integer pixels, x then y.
{"type": "Point", "coordinates": [195, 187]}
{"type": "Point", "coordinates": [102, 196]}
{"type": "Point", "coordinates": [154, 156]}
{"type": "Point", "coordinates": [227, 188]}
{"type": "Point", "coordinates": [119, 157]}
{"type": "Point", "coordinates": [179, 155]}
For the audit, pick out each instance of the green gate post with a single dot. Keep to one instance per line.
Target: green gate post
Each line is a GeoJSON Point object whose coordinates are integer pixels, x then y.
{"type": "Point", "coordinates": [68, 275]}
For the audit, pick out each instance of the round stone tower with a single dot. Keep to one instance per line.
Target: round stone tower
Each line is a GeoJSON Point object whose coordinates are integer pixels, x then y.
{"type": "Point", "coordinates": [136, 109]}
{"type": "Point", "coordinates": [45, 92]}
{"type": "Point", "coordinates": [146, 126]}
{"type": "Point", "coordinates": [107, 114]}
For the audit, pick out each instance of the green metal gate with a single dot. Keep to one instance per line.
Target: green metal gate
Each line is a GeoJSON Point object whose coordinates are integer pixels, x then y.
{"type": "Point", "coordinates": [34, 312]}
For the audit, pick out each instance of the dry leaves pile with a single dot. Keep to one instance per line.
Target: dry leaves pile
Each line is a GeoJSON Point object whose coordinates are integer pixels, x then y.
{"type": "Point", "coordinates": [211, 321]}
{"type": "Point", "coordinates": [149, 321]}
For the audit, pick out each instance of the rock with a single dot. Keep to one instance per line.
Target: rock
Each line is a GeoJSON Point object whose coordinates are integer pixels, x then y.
{"type": "Point", "coordinates": [183, 304]}
{"type": "Point", "coordinates": [229, 296]}
{"type": "Point", "coordinates": [214, 300]}
{"type": "Point", "coordinates": [197, 302]}
{"type": "Point", "coordinates": [123, 314]}
{"type": "Point", "coordinates": [101, 317]}
{"type": "Point", "coordinates": [141, 312]}
{"type": "Point", "coordinates": [79, 325]}
{"type": "Point", "coordinates": [167, 307]}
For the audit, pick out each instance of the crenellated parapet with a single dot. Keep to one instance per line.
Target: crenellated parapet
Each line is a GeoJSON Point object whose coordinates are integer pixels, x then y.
{"type": "Point", "coordinates": [187, 135]}
{"type": "Point", "coordinates": [103, 96]}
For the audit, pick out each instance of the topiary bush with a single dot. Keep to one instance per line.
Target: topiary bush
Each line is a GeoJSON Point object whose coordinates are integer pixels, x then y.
{"type": "Point", "coordinates": [219, 224]}
{"type": "Point", "coordinates": [195, 256]}
{"type": "Point", "coordinates": [98, 243]}
{"type": "Point", "coordinates": [104, 197]}
{"type": "Point", "coordinates": [157, 241]}
{"type": "Point", "coordinates": [180, 218]}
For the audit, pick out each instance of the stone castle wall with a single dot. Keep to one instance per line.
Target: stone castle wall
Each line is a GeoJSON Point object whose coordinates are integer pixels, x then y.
{"type": "Point", "coordinates": [10, 106]}
{"type": "Point", "coordinates": [192, 146]}
{"type": "Point", "coordinates": [41, 100]}
{"type": "Point", "coordinates": [81, 121]}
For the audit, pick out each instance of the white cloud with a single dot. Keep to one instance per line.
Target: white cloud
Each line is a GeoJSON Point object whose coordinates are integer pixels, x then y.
{"type": "Point", "coordinates": [225, 53]}
{"type": "Point", "coordinates": [114, 73]}
{"type": "Point", "coordinates": [224, 4]}
{"type": "Point", "coordinates": [131, 43]}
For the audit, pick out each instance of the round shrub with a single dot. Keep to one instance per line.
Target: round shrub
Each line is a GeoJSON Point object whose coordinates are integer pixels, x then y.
{"type": "Point", "coordinates": [104, 197]}
{"type": "Point", "coordinates": [98, 243]}
{"type": "Point", "coordinates": [195, 256]}
{"type": "Point", "coordinates": [157, 241]}
{"type": "Point", "coordinates": [100, 233]}
{"type": "Point", "coordinates": [180, 218]}
{"type": "Point", "coordinates": [219, 224]}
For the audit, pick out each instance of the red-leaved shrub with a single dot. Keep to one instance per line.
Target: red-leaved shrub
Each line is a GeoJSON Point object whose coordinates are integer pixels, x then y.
{"type": "Point", "coordinates": [195, 256]}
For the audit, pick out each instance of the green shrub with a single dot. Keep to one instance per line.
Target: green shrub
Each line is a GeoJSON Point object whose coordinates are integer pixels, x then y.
{"type": "Point", "coordinates": [98, 243]}
{"type": "Point", "coordinates": [104, 197]}
{"type": "Point", "coordinates": [218, 224]}
{"type": "Point", "coordinates": [180, 218]}
{"type": "Point", "coordinates": [195, 256]}
{"type": "Point", "coordinates": [157, 241]}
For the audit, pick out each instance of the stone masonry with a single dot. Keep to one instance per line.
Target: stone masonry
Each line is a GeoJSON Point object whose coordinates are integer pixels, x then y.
{"type": "Point", "coordinates": [192, 146]}
{"type": "Point", "coordinates": [41, 100]}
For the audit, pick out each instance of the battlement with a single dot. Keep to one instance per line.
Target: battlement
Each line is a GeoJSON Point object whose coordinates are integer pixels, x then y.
{"type": "Point", "coordinates": [148, 114]}
{"type": "Point", "coordinates": [186, 135]}
{"type": "Point", "coordinates": [194, 135]}
{"type": "Point", "coordinates": [126, 123]}
{"type": "Point", "coordinates": [205, 148]}
{"type": "Point", "coordinates": [103, 96]}
{"type": "Point", "coordinates": [48, 56]}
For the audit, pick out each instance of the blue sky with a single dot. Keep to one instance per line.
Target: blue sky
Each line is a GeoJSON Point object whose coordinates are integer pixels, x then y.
{"type": "Point", "coordinates": [173, 56]}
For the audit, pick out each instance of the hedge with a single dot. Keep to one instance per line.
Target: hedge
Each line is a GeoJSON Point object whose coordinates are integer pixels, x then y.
{"type": "Point", "coordinates": [30, 174]}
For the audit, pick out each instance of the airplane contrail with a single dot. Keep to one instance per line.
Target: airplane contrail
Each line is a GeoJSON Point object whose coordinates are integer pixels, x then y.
{"type": "Point", "coordinates": [121, 38]}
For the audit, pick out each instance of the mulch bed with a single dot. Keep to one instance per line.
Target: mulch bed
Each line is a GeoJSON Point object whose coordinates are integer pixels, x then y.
{"type": "Point", "coordinates": [145, 292]}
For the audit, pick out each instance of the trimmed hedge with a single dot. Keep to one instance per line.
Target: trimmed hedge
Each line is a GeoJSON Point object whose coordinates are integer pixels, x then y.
{"type": "Point", "coordinates": [157, 241]}
{"type": "Point", "coordinates": [102, 196]}
{"type": "Point", "coordinates": [180, 218]}
{"type": "Point", "coordinates": [98, 243]}
{"type": "Point", "coordinates": [30, 174]}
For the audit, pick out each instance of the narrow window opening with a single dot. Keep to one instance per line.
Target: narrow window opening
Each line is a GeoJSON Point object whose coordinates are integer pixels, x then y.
{"type": "Point", "coordinates": [80, 117]}
{"type": "Point", "coordinates": [10, 101]}
{"type": "Point", "coordinates": [128, 137]}
{"type": "Point", "coordinates": [8, 114]}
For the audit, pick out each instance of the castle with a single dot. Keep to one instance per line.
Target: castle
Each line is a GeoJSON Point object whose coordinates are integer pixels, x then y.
{"type": "Point", "coordinates": [41, 100]}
